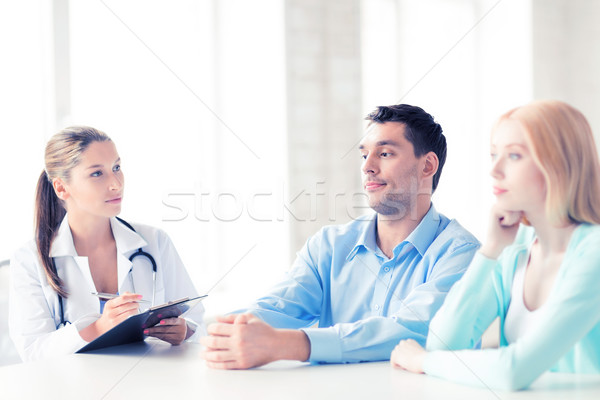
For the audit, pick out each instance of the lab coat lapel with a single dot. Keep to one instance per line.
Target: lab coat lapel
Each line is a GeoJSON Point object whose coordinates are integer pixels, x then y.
{"type": "Point", "coordinates": [63, 246]}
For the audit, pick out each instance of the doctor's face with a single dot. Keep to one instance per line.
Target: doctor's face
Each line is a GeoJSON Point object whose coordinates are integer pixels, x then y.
{"type": "Point", "coordinates": [96, 184]}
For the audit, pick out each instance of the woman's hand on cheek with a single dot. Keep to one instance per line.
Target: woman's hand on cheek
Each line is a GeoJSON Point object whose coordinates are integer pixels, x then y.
{"type": "Point", "coordinates": [502, 229]}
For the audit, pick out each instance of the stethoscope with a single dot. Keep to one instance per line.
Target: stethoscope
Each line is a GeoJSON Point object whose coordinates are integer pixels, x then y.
{"type": "Point", "coordinates": [138, 253]}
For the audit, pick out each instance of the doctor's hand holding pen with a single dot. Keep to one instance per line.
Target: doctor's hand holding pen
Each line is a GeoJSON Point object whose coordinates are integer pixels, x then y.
{"type": "Point", "coordinates": [115, 311]}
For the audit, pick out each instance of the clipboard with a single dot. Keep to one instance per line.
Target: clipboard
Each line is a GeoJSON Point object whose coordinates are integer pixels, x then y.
{"type": "Point", "coordinates": [132, 329]}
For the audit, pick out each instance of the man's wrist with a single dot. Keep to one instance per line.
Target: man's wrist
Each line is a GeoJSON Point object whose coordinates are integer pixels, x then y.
{"type": "Point", "coordinates": [294, 345]}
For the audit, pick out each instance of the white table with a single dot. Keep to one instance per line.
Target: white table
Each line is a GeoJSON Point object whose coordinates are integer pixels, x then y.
{"type": "Point", "coordinates": [155, 370]}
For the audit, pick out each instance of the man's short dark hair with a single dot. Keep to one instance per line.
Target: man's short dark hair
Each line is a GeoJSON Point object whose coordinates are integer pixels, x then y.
{"type": "Point", "coordinates": [421, 130]}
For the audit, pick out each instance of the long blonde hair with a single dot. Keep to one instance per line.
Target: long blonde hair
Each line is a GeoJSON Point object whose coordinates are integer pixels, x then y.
{"type": "Point", "coordinates": [63, 153]}
{"type": "Point", "coordinates": [564, 150]}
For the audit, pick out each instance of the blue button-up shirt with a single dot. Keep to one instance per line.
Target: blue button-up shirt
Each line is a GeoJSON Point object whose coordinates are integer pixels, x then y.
{"type": "Point", "coordinates": [363, 301]}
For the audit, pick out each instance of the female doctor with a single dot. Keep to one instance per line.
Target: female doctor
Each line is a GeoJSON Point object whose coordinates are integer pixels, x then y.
{"type": "Point", "coordinates": [81, 247]}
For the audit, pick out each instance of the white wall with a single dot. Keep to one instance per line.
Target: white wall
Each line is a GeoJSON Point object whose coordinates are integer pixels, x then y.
{"type": "Point", "coordinates": [323, 76]}
{"type": "Point", "coordinates": [26, 104]}
{"type": "Point", "coordinates": [566, 54]}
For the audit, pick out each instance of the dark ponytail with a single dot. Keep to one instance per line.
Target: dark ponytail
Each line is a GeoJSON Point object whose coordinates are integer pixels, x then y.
{"type": "Point", "coordinates": [49, 213]}
{"type": "Point", "coordinates": [63, 152]}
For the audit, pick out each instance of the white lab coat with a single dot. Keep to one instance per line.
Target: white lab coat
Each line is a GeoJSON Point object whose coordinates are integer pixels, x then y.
{"type": "Point", "coordinates": [34, 312]}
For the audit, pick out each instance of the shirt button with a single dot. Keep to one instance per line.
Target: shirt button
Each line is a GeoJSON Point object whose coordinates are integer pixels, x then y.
{"type": "Point", "coordinates": [377, 306]}
{"type": "Point", "coordinates": [387, 269]}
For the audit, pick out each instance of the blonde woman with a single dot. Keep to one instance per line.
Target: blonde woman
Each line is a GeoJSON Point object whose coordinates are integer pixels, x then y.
{"type": "Point", "coordinates": [80, 247]}
{"type": "Point", "coordinates": [543, 281]}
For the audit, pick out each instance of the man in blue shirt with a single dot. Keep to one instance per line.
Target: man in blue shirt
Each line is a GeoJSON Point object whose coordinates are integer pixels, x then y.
{"type": "Point", "coordinates": [368, 283]}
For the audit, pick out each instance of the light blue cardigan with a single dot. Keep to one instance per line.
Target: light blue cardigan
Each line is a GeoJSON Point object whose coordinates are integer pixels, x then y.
{"type": "Point", "coordinates": [566, 338]}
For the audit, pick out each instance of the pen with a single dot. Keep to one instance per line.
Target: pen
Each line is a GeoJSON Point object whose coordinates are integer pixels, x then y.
{"type": "Point", "coordinates": [108, 296]}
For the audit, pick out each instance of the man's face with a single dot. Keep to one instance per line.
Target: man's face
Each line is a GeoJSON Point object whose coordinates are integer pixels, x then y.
{"type": "Point", "coordinates": [391, 172]}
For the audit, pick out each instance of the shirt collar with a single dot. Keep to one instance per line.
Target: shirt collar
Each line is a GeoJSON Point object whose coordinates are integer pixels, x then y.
{"type": "Point", "coordinates": [421, 237]}
{"type": "Point", "coordinates": [425, 233]}
{"type": "Point", "coordinates": [126, 239]}
{"type": "Point", "coordinates": [367, 237]}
